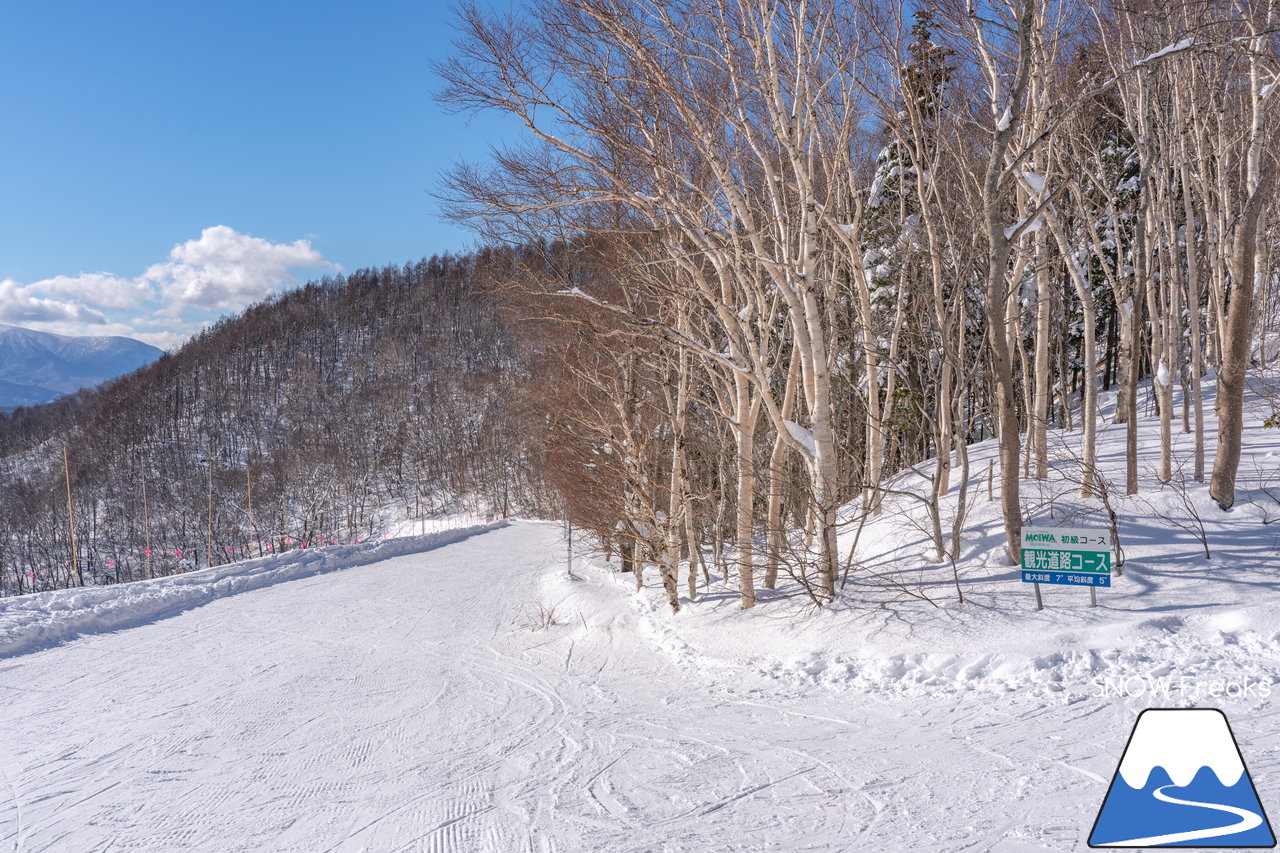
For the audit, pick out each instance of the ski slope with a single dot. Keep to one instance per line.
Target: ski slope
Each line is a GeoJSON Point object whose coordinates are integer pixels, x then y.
{"type": "Point", "coordinates": [406, 704]}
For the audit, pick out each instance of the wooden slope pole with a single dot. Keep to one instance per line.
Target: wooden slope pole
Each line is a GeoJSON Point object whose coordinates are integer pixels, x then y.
{"type": "Point", "coordinates": [146, 521]}
{"type": "Point", "coordinates": [208, 536]}
{"type": "Point", "coordinates": [248, 478]}
{"type": "Point", "coordinates": [76, 580]}
{"type": "Point", "coordinates": [568, 537]}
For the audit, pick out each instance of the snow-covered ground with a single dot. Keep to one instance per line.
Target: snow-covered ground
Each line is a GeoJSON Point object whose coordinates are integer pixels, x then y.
{"type": "Point", "coordinates": [406, 704]}
{"type": "Point", "coordinates": [397, 697]}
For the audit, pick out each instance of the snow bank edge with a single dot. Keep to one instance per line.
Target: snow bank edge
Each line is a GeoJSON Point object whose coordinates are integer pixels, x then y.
{"type": "Point", "coordinates": [31, 623]}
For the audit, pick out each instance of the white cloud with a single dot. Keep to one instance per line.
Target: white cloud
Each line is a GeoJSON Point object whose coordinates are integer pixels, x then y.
{"type": "Point", "coordinates": [221, 270]}
{"type": "Point", "coordinates": [101, 289]}
{"type": "Point", "coordinates": [228, 270]}
{"type": "Point", "coordinates": [169, 341]}
{"type": "Point", "coordinates": [101, 330]}
{"type": "Point", "coordinates": [23, 305]}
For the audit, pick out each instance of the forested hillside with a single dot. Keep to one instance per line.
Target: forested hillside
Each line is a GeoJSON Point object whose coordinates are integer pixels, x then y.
{"type": "Point", "coordinates": [351, 401]}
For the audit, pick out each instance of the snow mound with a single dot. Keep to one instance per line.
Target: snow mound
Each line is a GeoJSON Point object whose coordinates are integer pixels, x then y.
{"type": "Point", "coordinates": [40, 620]}
{"type": "Point", "coordinates": [1194, 619]}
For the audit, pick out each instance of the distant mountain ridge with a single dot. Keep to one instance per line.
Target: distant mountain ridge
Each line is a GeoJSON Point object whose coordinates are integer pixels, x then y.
{"type": "Point", "coordinates": [37, 367]}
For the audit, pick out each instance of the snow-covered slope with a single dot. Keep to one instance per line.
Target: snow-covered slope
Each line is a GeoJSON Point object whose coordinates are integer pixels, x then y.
{"type": "Point", "coordinates": [1176, 622]}
{"type": "Point", "coordinates": [39, 620]}
{"type": "Point", "coordinates": [59, 364]}
{"type": "Point", "coordinates": [408, 704]}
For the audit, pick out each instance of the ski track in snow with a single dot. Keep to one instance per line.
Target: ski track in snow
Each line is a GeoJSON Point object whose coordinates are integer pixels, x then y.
{"type": "Point", "coordinates": [406, 705]}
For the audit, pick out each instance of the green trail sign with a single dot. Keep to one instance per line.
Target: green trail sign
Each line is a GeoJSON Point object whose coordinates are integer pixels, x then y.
{"type": "Point", "coordinates": [1067, 556]}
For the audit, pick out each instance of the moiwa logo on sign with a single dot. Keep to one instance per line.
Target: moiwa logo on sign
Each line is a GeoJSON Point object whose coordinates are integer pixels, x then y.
{"type": "Point", "coordinates": [1182, 783]}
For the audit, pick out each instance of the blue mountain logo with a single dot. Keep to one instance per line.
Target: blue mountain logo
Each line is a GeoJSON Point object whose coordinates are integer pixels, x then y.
{"type": "Point", "coordinates": [1182, 783]}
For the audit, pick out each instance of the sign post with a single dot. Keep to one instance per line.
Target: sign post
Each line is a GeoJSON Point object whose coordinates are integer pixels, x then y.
{"type": "Point", "coordinates": [1068, 556]}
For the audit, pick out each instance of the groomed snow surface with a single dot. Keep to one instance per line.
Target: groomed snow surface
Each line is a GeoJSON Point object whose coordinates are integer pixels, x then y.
{"type": "Point", "coordinates": [399, 699]}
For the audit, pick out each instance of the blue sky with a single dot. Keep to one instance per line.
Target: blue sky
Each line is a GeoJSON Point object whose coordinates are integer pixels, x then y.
{"type": "Point", "coordinates": [162, 163]}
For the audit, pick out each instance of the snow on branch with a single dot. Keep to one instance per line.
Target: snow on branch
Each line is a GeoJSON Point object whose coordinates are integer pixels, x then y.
{"type": "Point", "coordinates": [1023, 227]}
{"type": "Point", "coordinates": [1034, 181]}
{"type": "Point", "coordinates": [804, 437]}
{"type": "Point", "coordinates": [1186, 44]}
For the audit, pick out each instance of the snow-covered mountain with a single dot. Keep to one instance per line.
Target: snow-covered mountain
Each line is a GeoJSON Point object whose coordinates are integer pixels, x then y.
{"type": "Point", "coordinates": [36, 367]}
